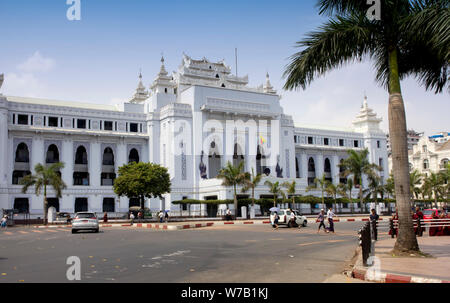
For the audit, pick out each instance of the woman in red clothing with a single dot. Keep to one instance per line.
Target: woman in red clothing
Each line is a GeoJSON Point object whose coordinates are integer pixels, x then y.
{"type": "Point", "coordinates": [395, 219]}
{"type": "Point", "coordinates": [433, 230]}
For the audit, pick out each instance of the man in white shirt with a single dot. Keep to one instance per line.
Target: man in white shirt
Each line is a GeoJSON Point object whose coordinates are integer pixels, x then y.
{"type": "Point", "coordinates": [330, 215]}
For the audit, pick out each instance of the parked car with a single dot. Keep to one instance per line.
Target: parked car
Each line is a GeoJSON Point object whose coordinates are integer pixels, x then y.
{"type": "Point", "coordinates": [285, 215]}
{"type": "Point", "coordinates": [428, 213]}
{"type": "Point", "coordinates": [85, 221]}
{"type": "Point", "coordinates": [63, 218]}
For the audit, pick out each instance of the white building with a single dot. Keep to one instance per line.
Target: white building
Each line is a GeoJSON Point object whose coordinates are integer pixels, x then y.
{"type": "Point", "coordinates": [429, 155]}
{"type": "Point", "coordinates": [192, 122]}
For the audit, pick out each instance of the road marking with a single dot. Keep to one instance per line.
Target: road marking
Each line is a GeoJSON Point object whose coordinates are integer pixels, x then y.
{"type": "Point", "coordinates": [23, 232]}
{"type": "Point", "coordinates": [8, 233]}
{"type": "Point", "coordinates": [320, 242]}
{"type": "Point", "coordinates": [37, 231]}
{"type": "Point", "coordinates": [52, 231]}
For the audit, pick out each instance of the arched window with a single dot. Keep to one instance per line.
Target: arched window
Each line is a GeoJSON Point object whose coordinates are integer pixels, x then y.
{"type": "Point", "coordinates": [311, 171]}
{"type": "Point", "coordinates": [52, 154]}
{"type": "Point", "coordinates": [22, 205]}
{"type": "Point", "coordinates": [81, 156]}
{"type": "Point", "coordinates": [260, 160]}
{"type": "Point", "coordinates": [214, 160]}
{"type": "Point", "coordinates": [133, 156]}
{"type": "Point", "coordinates": [327, 166]}
{"type": "Point", "coordinates": [22, 153]}
{"type": "Point", "coordinates": [426, 164]}
{"type": "Point", "coordinates": [311, 165]}
{"type": "Point", "coordinates": [444, 163]}
{"type": "Point", "coordinates": [108, 156]}
{"type": "Point", "coordinates": [134, 202]}
{"type": "Point", "coordinates": [53, 202]}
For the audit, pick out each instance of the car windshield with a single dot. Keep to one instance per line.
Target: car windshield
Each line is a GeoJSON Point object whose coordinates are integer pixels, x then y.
{"type": "Point", "coordinates": [85, 215]}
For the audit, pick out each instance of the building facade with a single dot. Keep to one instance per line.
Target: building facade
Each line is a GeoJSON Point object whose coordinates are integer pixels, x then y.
{"type": "Point", "coordinates": [191, 121]}
{"type": "Point", "coordinates": [429, 156]}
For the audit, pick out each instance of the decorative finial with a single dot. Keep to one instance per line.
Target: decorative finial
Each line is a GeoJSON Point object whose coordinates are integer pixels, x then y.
{"type": "Point", "coordinates": [2, 77]}
{"type": "Point", "coordinates": [140, 74]}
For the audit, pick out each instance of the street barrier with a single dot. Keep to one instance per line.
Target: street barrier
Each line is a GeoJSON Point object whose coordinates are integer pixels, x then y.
{"type": "Point", "coordinates": [365, 241]}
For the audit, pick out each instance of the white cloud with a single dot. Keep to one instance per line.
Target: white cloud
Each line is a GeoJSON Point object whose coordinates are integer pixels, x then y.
{"type": "Point", "coordinates": [37, 63]}
{"type": "Point", "coordinates": [26, 85]}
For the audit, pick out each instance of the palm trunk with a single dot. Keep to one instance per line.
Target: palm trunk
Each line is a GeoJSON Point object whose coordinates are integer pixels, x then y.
{"type": "Point", "coordinates": [406, 240]}
{"type": "Point", "coordinates": [45, 205]}
{"type": "Point", "coordinates": [235, 203]}
{"type": "Point", "coordinates": [361, 202]}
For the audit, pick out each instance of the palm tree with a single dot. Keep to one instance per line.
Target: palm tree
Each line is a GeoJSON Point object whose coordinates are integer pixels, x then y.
{"type": "Point", "coordinates": [411, 38]}
{"type": "Point", "coordinates": [233, 176]}
{"type": "Point", "coordinates": [319, 183]}
{"type": "Point", "coordinates": [275, 190]}
{"type": "Point", "coordinates": [415, 180]}
{"type": "Point", "coordinates": [332, 191]}
{"type": "Point", "coordinates": [45, 176]}
{"type": "Point", "coordinates": [375, 186]}
{"type": "Point", "coordinates": [358, 165]}
{"type": "Point", "coordinates": [290, 190]}
{"type": "Point", "coordinates": [389, 187]}
{"type": "Point", "coordinates": [251, 183]}
{"type": "Point", "coordinates": [433, 183]}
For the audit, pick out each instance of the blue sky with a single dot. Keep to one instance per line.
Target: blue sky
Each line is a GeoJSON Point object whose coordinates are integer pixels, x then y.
{"type": "Point", "coordinates": [98, 58]}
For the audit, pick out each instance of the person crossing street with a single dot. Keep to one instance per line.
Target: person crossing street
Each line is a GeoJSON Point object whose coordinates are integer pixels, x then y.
{"type": "Point", "coordinates": [330, 215]}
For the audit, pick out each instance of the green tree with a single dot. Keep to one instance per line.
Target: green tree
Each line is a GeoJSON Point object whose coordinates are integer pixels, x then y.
{"type": "Point", "coordinates": [233, 176]}
{"type": "Point", "coordinates": [433, 185]}
{"type": "Point", "coordinates": [44, 177]}
{"type": "Point", "coordinates": [358, 165]}
{"type": "Point", "coordinates": [250, 183]}
{"type": "Point", "coordinates": [374, 186]}
{"type": "Point", "coordinates": [343, 188]}
{"type": "Point", "coordinates": [389, 187]}
{"type": "Point", "coordinates": [275, 190]}
{"type": "Point", "coordinates": [319, 184]}
{"type": "Point", "coordinates": [411, 38]}
{"type": "Point", "coordinates": [415, 180]}
{"type": "Point", "coordinates": [332, 191]}
{"type": "Point", "coordinates": [142, 180]}
{"type": "Point", "coordinates": [290, 190]}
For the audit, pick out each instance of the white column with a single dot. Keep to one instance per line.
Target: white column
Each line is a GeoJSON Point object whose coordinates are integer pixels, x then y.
{"type": "Point", "coordinates": [4, 156]}
{"type": "Point", "coordinates": [68, 159]}
{"type": "Point", "coordinates": [303, 165]}
{"type": "Point", "coordinates": [95, 164]}
{"type": "Point", "coordinates": [122, 157]}
{"type": "Point", "coordinates": [335, 169]}
{"type": "Point", "coordinates": [319, 166]}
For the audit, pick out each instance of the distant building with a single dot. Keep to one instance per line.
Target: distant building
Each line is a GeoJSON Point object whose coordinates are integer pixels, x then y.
{"type": "Point", "coordinates": [440, 137]}
{"type": "Point", "coordinates": [413, 138]}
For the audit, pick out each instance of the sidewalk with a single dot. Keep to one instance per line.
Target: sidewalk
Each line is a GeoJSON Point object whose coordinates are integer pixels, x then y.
{"type": "Point", "coordinates": [414, 269]}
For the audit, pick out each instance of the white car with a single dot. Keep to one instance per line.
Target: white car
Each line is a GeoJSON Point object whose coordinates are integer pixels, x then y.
{"type": "Point", "coordinates": [85, 221]}
{"type": "Point", "coordinates": [285, 215]}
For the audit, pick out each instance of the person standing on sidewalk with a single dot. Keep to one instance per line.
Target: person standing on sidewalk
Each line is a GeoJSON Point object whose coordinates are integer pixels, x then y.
{"type": "Point", "coordinates": [373, 220]}
{"type": "Point", "coordinates": [330, 215]}
{"type": "Point", "coordinates": [321, 220]}
{"type": "Point", "coordinates": [161, 216]}
{"type": "Point", "coordinates": [132, 218]}
{"type": "Point", "coordinates": [166, 217]}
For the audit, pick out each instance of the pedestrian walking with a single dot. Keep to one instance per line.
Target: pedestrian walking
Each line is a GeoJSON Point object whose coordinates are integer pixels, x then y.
{"type": "Point", "coordinates": [228, 214]}
{"type": "Point", "coordinates": [105, 217]}
{"type": "Point", "coordinates": [275, 220]}
{"type": "Point", "coordinates": [4, 222]}
{"type": "Point", "coordinates": [330, 215]}
{"type": "Point", "coordinates": [166, 217]}
{"type": "Point", "coordinates": [321, 220]}
{"type": "Point", "coordinates": [161, 216]}
{"type": "Point", "coordinates": [132, 218]}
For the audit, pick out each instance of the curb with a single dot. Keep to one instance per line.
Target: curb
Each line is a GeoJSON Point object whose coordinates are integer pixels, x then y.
{"type": "Point", "coordinates": [384, 277]}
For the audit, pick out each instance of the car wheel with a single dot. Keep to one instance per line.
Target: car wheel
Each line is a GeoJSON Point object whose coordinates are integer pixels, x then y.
{"type": "Point", "coordinates": [305, 223]}
{"type": "Point", "coordinates": [96, 231]}
{"type": "Point", "coordinates": [289, 224]}
{"type": "Point", "coordinates": [74, 231]}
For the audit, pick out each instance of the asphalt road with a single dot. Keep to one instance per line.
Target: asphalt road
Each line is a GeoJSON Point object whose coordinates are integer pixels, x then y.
{"type": "Point", "coordinates": [245, 253]}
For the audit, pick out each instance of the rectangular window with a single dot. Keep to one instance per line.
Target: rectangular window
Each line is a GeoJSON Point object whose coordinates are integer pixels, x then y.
{"type": "Point", "coordinates": [326, 141]}
{"type": "Point", "coordinates": [378, 144]}
{"type": "Point", "coordinates": [133, 127]}
{"type": "Point", "coordinates": [115, 126]}
{"type": "Point", "coordinates": [31, 120]}
{"type": "Point", "coordinates": [53, 121]}
{"type": "Point", "coordinates": [341, 142]}
{"type": "Point", "coordinates": [22, 119]}
{"type": "Point", "coordinates": [355, 143]}
{"type": "Point", "coordinates": [61, 122]}
{"type": "Point", "coordinates": [81, 123]}
{"type": "Point", "coordinates": [380, 162]}
{"type": "Point", "coordinates": [310, 140]}
{"type": "Point", "coordinates": [295, 139]}
{"type": "Point", "coordinates": [108, 125]}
